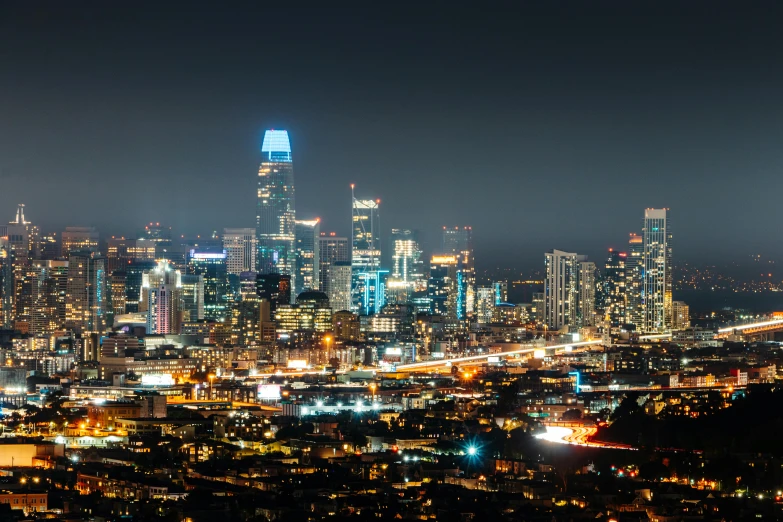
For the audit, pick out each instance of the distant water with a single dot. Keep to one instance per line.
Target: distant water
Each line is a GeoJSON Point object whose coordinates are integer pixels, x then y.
{"type": "Point", "coordinates": [702, 301]}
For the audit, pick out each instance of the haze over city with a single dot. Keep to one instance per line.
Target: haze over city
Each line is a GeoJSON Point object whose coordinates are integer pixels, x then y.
{"type": "Point", "coordinates": [540, 126]}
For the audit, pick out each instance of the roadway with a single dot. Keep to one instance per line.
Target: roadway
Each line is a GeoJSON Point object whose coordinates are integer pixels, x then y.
{"type": "Point", "coordinates": [578, 436]}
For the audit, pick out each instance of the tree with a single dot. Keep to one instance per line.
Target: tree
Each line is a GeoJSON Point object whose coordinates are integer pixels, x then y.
{"type": "Point", "coordinates": [572, 415]}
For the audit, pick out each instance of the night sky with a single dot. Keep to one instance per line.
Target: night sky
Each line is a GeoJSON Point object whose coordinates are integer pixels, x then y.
{"type": "Point", "coordinates": [548, 126]}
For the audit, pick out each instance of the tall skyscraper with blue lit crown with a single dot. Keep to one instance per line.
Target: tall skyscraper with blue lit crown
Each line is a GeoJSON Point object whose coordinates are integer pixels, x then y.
{"type": "Point", "coordinates": [275, 215]}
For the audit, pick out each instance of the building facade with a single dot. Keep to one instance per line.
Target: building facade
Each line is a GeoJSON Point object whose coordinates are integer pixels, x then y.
{"type": "Point", "coordinates": [276, 214]}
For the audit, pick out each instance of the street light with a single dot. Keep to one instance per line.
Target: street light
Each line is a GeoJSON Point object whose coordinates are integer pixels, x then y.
{"type": "Point", "coordinates": [211, 388]}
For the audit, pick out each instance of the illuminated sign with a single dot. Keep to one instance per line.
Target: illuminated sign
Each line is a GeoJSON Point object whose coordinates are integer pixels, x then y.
{"type": "Point", "coordinates": [445, 259]}
{"type": "Point", "coordinates": [493, 359]}
{"type": "Point", "coordinates": [269, 392]}
{"type": "Point", "coordinates": [539, 354]}
{"type": "Point", "coordinates": [157, 379]}
{"type": "Point", "coordinates": [393, 351]}
{"type": "Point", "coordinates": [296, 364]}
{"type": "Point", "coordinates": [207, 255]}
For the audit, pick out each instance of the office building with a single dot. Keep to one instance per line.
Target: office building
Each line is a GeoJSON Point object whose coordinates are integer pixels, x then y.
{"type": "Point", "coordinates": [86, 303]}
{"type": "Point", "coordinates": [121, 251]}
{"type": "Point", "coordinates": [633, 281]}
{"type": "Point", "coordinates": [656, 271]}
{"type": "Point", "coordinates": [276, 216]}
{"type": "Point", "coordinates": [407, 275]}
{"type": "Point", "coordinates": [192, 297]}
{"type": "Point", "coordinates": [615, 280]}
{"type": "Point", "coordinates": [241, 247]}
{"type": "Point", "coordinates": [365, 249]}
{"type": "Point", "coordinates": [212, 267]}
{"type": "Point", "coordinates": [156, 233]}
{"type": "Point", "coordinates": [373, 285]}
{"type": "Point", "coordinates": [274, 288]}
{"type": "Point", "coordinates": [133, 279]}
{"type": "Point", "coordinates": [308, 256]}
{"type": "Point", "coordinates": [78, 239]}
{"type": "Point", "coordinates": [442, 285]}
{"type": "Point", "coordinates": [331, 249]}
{"type": "Point", "coordinates": [459, 242]}
{"type": "Point", "coordinates": [23, 237]}
{"type": "Point", "coordinates": [48, 283]}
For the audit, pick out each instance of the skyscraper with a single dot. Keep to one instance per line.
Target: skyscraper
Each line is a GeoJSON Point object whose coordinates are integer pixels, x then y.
{"type": "Point", "coordinates": [442, 286]}
{"type": "Point", "coordinates": [48, 282]}
{"type": "Point", "coordinates": [656, 271]}
{"type": "Point", "coordinates": [569, 290]}
{"type": "Point", "coordinates": [615, 281]}
{"type": "Point", "coordinates": [366, 249]}
{"type": "Point", "coordinates": [79, 239]}
{"type": "Point", "coordinates": [276, 216]}
{"type": "Point", "coordinates": [586, 298]}
{"type": "Point", "coordinates": [339, 277]}
{"type": "Point", "coordinates": [212, 266]}
{"type": "Point", "coordinates": [308, 257]}
{"type": "Point", "coordinates": [120, 251]}
{"type": "Point", "coordinates": [560, 289]}
{"type": "Point", "coordinates": [633, 281]}
{"type": "Point", "coordinates": [332, 249]}
{"type": "Point", "coordinates": [459, 242]}
{"type": "Point", "coordinates": [241, 247]}
{"type": "Point", "coordinates": [161, 289]}
{"type": "Point", "coordinates": [6, 284]}
{"type": "Point", "coordinates": [86, 303]}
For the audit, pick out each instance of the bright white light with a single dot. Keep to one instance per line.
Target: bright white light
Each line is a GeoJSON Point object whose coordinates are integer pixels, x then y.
{"type": "Point", "coordinates": [472, 450]}
{"type": "Point", "coordinates": [305, 411]}
{"type": "Point", "coordinates": [376, 406]}
{"type": "Point", "coordinates": [320, 404]}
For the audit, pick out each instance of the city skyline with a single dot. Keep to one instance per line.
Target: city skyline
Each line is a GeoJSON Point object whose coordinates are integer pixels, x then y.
{"type": "Point", "coordinates": [641, 111]}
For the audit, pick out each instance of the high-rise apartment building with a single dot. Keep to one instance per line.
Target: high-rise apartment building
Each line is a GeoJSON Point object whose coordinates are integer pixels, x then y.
{"type": "Point", "coordinates": [276, 215]}
{"type": "Point", "coordinates": [86, 302]}
{"type": "Point", "coordinates": [485, 304]}
{"type": "Point", "coordinates": [241, 246]}
{"type": "Point", "coordinates": [6, 284]}
{"type": "Point", "coordinates": [78, 239]}
{"type": "Point", "coordinates": [308, 256]}
{"type": "Point", "coordinates": [569, 290]}
{"type": "Point", "coordinates": [331, 249]}
{"type": "Point", "coordinates": [365, 251]}
{"type": "Point", "coordinates": [633, 281]}
{"type": "Point", "coordinates": [161, 296]}
{"type": "Point", "coordinates": [585, 315]}
{"type": "Point", "coordinates": [681, 315]}
{"type": "Point", "coordinates": [339, 277]}
{"type": "Point", "coordinates": [657, 271]}
{"type": "Point", "coordinates": [615, 281]}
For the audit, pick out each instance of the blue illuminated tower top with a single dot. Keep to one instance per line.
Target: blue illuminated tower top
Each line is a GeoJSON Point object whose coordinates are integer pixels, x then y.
{"type": "Point", "coordinates": [276, 146]}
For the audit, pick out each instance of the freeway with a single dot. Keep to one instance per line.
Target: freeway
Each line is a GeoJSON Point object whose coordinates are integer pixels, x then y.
{"type": "Point", "coordinates": [523, 351]}
{"type": "Point", "coordinates": [578, 436]}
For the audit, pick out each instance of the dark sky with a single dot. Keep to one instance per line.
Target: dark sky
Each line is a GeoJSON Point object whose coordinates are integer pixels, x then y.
{"type": "Point", "coordinates": [551, 125]}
